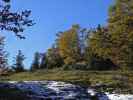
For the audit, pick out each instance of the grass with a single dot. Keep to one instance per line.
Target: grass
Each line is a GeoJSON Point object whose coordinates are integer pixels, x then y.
{"type": "Point", "coordinates": [122, 81]}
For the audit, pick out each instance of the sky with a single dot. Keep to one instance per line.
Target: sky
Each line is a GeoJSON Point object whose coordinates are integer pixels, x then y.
{"type": "Point", "coordinates": [52, 16]}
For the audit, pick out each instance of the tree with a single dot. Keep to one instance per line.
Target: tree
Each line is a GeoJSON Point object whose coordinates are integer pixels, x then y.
{"type": "Point", "coordinates": [99, 40]}
{"type": "Point", "coordinates": [43, 61]}
{"type": "Point", "coordinates": [53, 58]}
{"type": "Point", "coordinates": [120, 27]}
{"type": "Point", "coordinates": [3, 57]}
{"type": "Point", "coordinates": [68, 44]}
{"type": "Point", "coordinates": [14, 21]}
{"type": "Point", "coordinates": [18, 66]}
{"type": "Point", "coordinates": [36, 62]}
{"type": "Point", "coordinates": [98, 50]}
{"type": "Point", "coordinates": [95, 62]}
{"type": "Point", "coordinates": [116, 41]}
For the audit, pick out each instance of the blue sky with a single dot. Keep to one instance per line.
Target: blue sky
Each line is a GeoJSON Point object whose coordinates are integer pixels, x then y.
{"type": "Point", "coordinates": [52, 16]}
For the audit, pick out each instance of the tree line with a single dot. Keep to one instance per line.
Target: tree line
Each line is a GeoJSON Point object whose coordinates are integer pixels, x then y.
{"type": "Point", "coordinates": [101, 48]}
{"type": "Point", "coordinates": [72, 50]}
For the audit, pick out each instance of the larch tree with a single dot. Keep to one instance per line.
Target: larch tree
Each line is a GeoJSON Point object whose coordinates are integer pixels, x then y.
{"type": "Point", "coordinates": [116, 40]}
{"type": "Point", "coordinates": [68, 44]}
{"type": "Point", "coordinates": [98, 50]}
{"type": "Point", "coordinates": [121, 30]}
{"type": "Point", "coordinates": [99, 42]}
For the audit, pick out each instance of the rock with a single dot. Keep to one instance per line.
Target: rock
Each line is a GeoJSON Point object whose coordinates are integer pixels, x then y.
{"type": "Point", "coordinates": [52, 90]}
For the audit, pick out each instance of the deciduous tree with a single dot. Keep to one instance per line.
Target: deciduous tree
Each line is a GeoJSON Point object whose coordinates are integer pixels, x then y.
{"type": "Point", "coordinates": [68, 44]}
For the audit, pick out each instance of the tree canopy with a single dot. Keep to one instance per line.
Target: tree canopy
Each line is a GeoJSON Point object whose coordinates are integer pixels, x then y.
{"type": "Point", "coordinates": [15, 22]}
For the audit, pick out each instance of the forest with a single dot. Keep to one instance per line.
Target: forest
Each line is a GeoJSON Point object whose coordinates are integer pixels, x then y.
{"type": "Point", "coordinates": [82, 63]}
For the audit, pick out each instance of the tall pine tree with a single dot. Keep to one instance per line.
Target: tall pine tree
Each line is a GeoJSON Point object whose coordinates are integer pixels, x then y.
{"type": "Point", "coordinates": [43, 64]}
{"type": "Point", "coordinates": [18, 65]}
{"type": "Point", "coordinates": [36, 62]}
{"type": "Point", "coordinates": [3, 57]}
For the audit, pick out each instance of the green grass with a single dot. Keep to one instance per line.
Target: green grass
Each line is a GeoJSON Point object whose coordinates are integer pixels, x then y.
{"type": "Point", "coordinates": [114, 79]}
